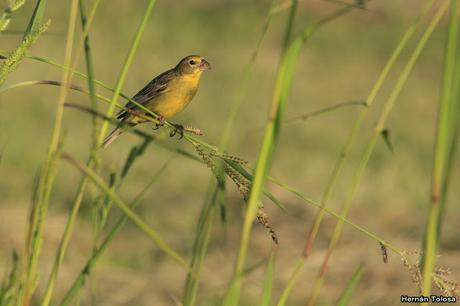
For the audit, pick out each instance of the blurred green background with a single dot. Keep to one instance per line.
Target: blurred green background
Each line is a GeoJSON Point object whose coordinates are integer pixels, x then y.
{"type": "Point", "coordinates": [340, 63]}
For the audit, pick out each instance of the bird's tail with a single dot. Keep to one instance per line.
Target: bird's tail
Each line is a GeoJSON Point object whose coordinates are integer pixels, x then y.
{"type": "Point", "coordinates": [112, 136]}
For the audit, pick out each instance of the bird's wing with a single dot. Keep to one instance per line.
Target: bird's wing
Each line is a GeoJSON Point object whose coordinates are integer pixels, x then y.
{"type": "Point", "coordinates": [152, 90]}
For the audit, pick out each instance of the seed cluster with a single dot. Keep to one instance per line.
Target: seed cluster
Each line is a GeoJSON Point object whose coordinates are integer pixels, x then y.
{"type": "Point", "coordinates": [441, 276]}
{"type": "Point", "coordinates": [241, 182]}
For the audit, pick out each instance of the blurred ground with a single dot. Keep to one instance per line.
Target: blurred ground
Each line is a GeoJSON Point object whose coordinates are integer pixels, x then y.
{"type": "Point", "coordinates": [340, 63]}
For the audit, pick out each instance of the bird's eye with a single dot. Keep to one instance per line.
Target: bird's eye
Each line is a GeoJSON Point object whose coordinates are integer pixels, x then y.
{"type": "Point", "coordinates": [192, 62]}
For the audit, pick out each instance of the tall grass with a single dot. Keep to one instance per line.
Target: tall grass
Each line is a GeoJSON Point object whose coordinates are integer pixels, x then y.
{"type": "Point", "coordinates": [444, 147]}
{"type": "Point", "coordinates": [86, 271]}
{"type": "Point", "coordinates": [216, 188]}
{"type": "Point", "coordinates": [280, 95]}
{"type": "Point", "coordinates": [96, 141]}
{"type": "Point", "coordinates": [380, 126]}
{"type": "Point", "coordinates": [250, 182]}
{"type": "Point", "coordinates": [339, 164]}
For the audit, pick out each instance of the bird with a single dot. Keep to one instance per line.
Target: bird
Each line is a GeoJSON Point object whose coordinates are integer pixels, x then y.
{"type": "Point", "coordinates": [166, 95]}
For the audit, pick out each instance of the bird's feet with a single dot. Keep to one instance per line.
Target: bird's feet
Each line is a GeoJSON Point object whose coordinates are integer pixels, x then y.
{"type": "Point", "coordinates": [178, 129]}
{"type": "Point", "coordinates": [161, 122]}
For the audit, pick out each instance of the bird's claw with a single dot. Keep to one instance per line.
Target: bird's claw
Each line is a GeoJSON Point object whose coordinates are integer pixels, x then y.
{"type": "Point", "coordinates": [177, 129]}
{"type": "Point", "coordinates": [161, 122]}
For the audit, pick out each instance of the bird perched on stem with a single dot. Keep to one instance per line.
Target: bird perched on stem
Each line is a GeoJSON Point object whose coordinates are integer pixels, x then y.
{"type": "Point", "coordinates": [166, 95]}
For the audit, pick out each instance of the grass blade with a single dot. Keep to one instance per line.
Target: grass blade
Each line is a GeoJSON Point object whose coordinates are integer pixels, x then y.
{"type": "Point", "coordinates": [200, 245]}
{"type": "Point", "coordinates": [90, 72]}
{"type": "Point", "coordinates": [443, 147]}
{"type": "Point", "coordinates": [102, 247]}
{"type": "Point", "coordinates": [37, 17]}
{"type": "Point", "coordinates": [127, 210]}
{"type": "Point", "coordinates": [324, 110]}
{"type": "Point", "coordinates": [48, 173]}
{"type": "Point", "coordinates": [351, 285]}
{"type": "Point", "coordinates": [268, 282]}
{"type": "Point", "coordinates": [292, 280]}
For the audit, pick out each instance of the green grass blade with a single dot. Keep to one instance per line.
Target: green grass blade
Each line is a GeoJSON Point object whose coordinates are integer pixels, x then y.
{"type": "Point", "coordinates": [289, 26]}
{"type": "Point", "coordinates": [268, 282]}
{"type": "Point", "coordinates": [351, 285]}
{"type": "Point", "coordinates": [127, 210]}
{"type": "Point", "coordinates": [48, 173]}
{"type": "Point", "coordinates": [90, 72]}
{"type": "Point", "coordinates": [324, 110]}
{"type": "Point", "coordinates": [37, 17]}
{"type": "Point", "coordinates": [200, 245]}
{"type": "Point", "coordinates": [443, 146]}
{"type": "Point", "coordinates": [291, 283]}
{"type": "Point", "coordinates": [102, 247]}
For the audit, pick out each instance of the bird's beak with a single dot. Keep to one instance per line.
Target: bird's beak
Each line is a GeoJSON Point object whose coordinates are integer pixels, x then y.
{"type": "Point", "coordinates": [205, 65]}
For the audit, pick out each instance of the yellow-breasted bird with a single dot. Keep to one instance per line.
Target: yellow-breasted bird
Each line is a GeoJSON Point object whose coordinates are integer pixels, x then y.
{"type": "Point", "coordinates": [166, 95]}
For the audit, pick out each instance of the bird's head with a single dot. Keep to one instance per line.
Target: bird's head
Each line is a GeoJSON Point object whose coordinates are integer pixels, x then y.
{"type": "Point", "coordinates": [193, 64]}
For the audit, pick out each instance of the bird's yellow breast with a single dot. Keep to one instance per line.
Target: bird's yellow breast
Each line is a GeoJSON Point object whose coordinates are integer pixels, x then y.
{"type": "Point", "coordinates": [177, 96]}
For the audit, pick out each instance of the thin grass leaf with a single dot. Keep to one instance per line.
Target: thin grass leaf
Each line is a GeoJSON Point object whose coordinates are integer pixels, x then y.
{"type": "Point", "coordinates": [90, 73]}
{"type": "Point", "coordinates": [327, 109]}
{"type": "Point", "coordinates": [370, 148]}
{"type": "Point", "coordinates": [290, 26]}
{"type": "Point", "coordinates": [127, 210]}
{"type": "Point", "coordinates": [268, 282]}
{"type": "Point", "coordinates": [443, 147]}
{"type": "Point", "coordinates": [351, 285]}
{"type": "Point", "coordinates": [80, 280]}
{"type": "Point", "coordinates": [48, 173]}
{"type": "Point", "coordinates": [37, 17]}
{"type": "Point", "coordinates": [200, 245]}
{"type": "Point", "coordinates": [291, 283]}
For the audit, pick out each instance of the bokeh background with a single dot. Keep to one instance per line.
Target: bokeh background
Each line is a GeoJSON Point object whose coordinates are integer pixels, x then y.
{"type": "Point", "coordinates": [340, 63]}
